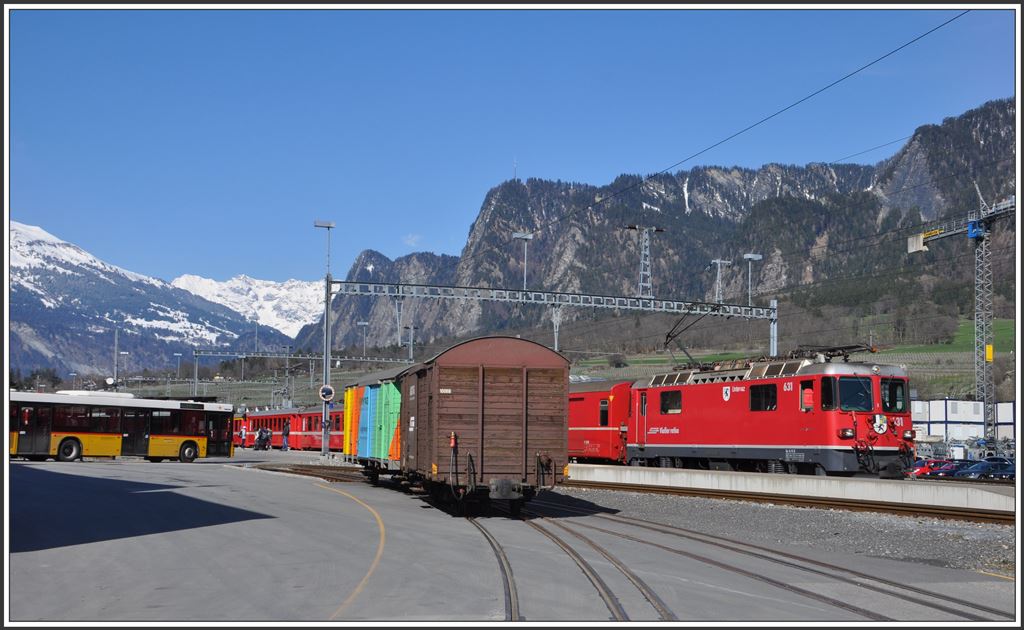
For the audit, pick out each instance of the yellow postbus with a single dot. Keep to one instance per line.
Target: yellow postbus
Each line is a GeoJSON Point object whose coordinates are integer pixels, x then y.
{"type": "Point", "coordinates": [70, 425]}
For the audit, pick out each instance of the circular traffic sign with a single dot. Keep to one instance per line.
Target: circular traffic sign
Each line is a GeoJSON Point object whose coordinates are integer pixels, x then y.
{"type": "Point", "coordinates": [326, 393]}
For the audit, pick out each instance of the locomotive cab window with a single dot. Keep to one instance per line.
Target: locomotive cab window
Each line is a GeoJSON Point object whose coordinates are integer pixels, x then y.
{"type": "Point", "coordinates": [828, 393]}
{"type": "Point", "coordinates": [763, 397]}
{"type": "Point", "coordinates": [894, 398]}
{"type": "Point", "coordinates": [672, 402]}
{"type": "Point", "coordinates": [604, 413]}
{"type": "Point", "coordinates": [855, 394]}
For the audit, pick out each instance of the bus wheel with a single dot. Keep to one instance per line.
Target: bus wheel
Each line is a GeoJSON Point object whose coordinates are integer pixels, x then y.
{"type": "Point", "coordinates": [188, 452]}
{"type": "Point", "coordinates": [69, 450]}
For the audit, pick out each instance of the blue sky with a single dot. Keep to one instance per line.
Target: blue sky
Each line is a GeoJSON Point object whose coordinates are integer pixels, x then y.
{"type": "Point", "coordinates": [208, 141]}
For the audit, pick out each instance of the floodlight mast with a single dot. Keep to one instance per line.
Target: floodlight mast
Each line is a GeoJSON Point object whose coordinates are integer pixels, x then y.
{"type": "Point", "coordinates": [325, 421]}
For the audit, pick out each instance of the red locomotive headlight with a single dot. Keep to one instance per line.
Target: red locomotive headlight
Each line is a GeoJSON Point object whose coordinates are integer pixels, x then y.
{"type": "Point", "coordinates": [909, 434]}
{"type": "Point", "coordinates": [846, 434]}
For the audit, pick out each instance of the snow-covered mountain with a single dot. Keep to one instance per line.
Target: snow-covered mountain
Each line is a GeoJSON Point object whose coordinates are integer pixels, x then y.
{"type": "Point", "coordinates": [286, 306]}
{"type": "Point", "coordinates": [65, 305]}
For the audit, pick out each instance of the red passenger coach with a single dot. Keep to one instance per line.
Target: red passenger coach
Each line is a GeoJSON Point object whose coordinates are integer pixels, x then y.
{"type": "Point", "coordinates": [597, 430]}
{"type": "Point", "coordinates": [305, 432]}
{"type": "Point", "coordinates": [797, 415]}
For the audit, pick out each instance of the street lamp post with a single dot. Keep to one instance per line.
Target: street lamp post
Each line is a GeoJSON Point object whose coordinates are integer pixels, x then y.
{"type": "Point", "coordinates": [364, 326]}
{"type": "Point", "coordinates": [750, 258]}
{"type": "Point", "coordinates": [124, 353]}
{"type": "Point", "coordinates": [177, 375]}
{"type": "Point", "coordinates": [525, 237]}
{"type": "Point", "coordinates": [325, 420]}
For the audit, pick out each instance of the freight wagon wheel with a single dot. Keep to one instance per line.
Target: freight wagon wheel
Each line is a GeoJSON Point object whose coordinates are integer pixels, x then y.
{"type": "Point", "coordinates": [515, 506]}
{"type": "Point", "coordinates": [187, 453]}
{"type": "Point", "coordinates": [69, 450]}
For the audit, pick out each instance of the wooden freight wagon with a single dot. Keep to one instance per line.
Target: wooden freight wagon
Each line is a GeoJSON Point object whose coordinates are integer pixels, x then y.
{"type": "Point", "coordinates": [487, 418]}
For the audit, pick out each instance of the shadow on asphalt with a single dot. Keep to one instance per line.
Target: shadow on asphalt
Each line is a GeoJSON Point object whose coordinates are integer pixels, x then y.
{"type": "Point", "coordinates": [50, 509]}
{"type": "Point", "coordinates": [550, 501]}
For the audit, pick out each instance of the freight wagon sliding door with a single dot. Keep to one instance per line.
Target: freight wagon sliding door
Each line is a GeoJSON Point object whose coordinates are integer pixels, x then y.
{"type": "Point", "coordinates": [547, 422]}
{"type": "Point", "coordinates": [458, 410]}
{"type": "Point", "coordinates": [500, 419]}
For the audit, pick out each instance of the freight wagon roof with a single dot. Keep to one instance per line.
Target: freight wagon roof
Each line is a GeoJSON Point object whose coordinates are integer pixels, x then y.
{"type": "Point", "coordinates": [373, 378]}
{"type": "Point", "coordinates": [497, 351]}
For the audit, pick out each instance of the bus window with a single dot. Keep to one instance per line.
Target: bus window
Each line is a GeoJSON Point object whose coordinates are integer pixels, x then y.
{"type": "Point", "coordinates": [71, 418]}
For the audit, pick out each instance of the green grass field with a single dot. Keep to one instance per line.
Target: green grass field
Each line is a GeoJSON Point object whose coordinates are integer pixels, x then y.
{"type": "Point", "coordinates": [963, 340]}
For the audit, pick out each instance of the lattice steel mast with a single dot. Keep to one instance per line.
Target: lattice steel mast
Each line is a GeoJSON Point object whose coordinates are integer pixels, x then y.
{"type": "Point", "coordinates": [977, 225]}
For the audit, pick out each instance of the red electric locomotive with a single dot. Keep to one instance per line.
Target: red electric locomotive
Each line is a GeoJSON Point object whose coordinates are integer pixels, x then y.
{"type": "Point", "coordinates": [305, 429]}
{"type": "Point", "coordinates": [800, 415]}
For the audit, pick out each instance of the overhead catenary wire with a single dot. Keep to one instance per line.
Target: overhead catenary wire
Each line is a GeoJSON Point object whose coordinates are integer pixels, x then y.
{"type": "Point", "coordinates": [763, 120]}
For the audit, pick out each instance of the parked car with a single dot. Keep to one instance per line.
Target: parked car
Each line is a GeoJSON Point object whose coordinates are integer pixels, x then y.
{"type": "Point", "coordinates": [948, 470]}
{"type": "Point", "coordinates": [981, 470]}
{"type": "Point", "coordinates": [1007, 474]}
{"type": "Point", "coordinates": [923, 466]}
{"type": "Point", "coordinates": [998, 459]}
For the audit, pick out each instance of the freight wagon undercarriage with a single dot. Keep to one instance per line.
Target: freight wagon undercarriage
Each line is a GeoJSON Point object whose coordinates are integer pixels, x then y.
{"type": "Point", "coordinates": [465, 490]}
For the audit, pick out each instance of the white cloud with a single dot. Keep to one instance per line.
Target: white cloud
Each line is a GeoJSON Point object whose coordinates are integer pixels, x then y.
{"type": "Point", "coordinates": [412, 240]}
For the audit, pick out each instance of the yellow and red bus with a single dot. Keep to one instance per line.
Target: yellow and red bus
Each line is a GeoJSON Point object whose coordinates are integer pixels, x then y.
{"type": "Point", "coordinates": [69, 425]}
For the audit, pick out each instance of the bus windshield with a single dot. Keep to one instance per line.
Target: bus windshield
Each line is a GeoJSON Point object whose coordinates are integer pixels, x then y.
{"type": "Point", "coordinates": [855, 394]}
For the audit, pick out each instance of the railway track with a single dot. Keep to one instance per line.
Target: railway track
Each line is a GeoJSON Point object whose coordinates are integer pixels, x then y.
{"type": "Point", "coordinates": [611, 600]}
{"type": "Point", "coordinates": [572, 530]}
{"type": "Point", "coordinates": [821, 571]}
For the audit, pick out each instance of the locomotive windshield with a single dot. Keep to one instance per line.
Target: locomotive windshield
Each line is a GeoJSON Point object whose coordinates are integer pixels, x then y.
{"type": "Point", "coordinates": [894, 398]}
{"type": "Point", "coordinates": [855, 394]}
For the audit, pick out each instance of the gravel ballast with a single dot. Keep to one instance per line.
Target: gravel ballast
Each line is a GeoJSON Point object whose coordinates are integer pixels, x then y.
{"type": "Point", "coordinates": [939, 542]}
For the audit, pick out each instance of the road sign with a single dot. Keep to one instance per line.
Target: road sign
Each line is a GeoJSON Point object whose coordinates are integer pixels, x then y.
{"type": "Point", "coordinates": [326, 393]}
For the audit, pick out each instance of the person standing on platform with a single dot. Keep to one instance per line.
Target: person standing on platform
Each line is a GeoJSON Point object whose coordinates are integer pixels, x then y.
{"type": "Point", "coordinates": [241, 434]}
{"type": "Point", "coordinates": [285, 430]}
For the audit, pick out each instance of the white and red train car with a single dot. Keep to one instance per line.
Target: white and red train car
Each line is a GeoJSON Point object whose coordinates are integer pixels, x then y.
{"type": "Point", "coordinates": [799, 415]}
{"type": "Point", "coordinates": [305, 432]}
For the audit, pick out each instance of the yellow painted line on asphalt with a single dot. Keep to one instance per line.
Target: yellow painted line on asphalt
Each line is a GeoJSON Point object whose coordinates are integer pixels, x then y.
{"type": "Point", "coordinates": [1005, 577]}
{"type": "Point", "coordinates": [376, 559]}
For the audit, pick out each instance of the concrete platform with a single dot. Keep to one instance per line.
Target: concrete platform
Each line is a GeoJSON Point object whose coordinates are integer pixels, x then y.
{"type": "Point", "coordinates": [1000, 498]}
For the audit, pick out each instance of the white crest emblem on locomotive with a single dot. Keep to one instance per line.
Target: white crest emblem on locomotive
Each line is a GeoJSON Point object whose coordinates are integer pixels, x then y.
{"type": "Point", "coordinates": [879, 424]}
{"type": "Point", "coordinates": [726, 392]}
